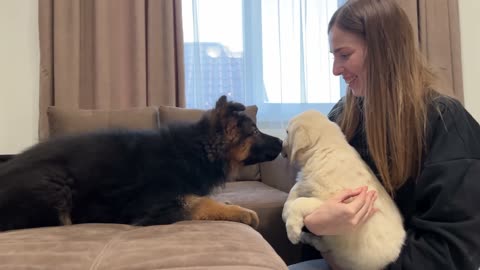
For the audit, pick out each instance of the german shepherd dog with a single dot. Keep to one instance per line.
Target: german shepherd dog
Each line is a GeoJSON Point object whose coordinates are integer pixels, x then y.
{"type": "Point", "coordinates": [135, 177]}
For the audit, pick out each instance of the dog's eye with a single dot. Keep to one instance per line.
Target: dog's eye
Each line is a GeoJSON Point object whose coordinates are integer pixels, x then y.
{"type": "Point", "coordinates": [255, 131]}
{"type": "Point", "coordinates": [286, 131]}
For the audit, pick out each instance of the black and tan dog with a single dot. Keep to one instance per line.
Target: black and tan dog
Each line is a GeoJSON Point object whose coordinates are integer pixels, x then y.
{"type": "Point", "coordinates": [134, 177]}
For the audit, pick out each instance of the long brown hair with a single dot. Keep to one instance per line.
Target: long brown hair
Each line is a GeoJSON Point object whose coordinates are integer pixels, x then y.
{"type": "Point", "coordinates": [398, 87]}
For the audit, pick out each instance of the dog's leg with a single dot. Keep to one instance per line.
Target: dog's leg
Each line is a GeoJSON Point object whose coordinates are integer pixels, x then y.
{"type": "Point", "coordinates": [38, 197]}
{"type": "Point", "coordinates": [292, 195]}
{"type": "Point", "coordinates": [297, 210]}
{"type": "Point", "coordinates": [204, 208]}
{"type": "Point", "coordinates": [65, 219]}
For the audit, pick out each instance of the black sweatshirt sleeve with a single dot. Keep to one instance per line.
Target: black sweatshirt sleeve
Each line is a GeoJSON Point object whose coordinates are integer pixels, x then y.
{"type": "Point", "coordinates": [444, 229]}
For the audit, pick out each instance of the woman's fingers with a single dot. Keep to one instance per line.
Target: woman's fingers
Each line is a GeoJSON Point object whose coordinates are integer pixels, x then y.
{"type": "Point", "coordinates": [337, 216]}
{"type": "Point", "coordinates": [358, 216]}
{"type": "Point", "coordinates": [358, 202]}
{"type": "Point", "coordinates": [372, 196]}
{"type": "Point", "coordinates": [347, 194]}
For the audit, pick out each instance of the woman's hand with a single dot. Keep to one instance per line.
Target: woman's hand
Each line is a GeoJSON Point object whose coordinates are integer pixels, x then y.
{"type": "Point", "coordinates": [342, 213]}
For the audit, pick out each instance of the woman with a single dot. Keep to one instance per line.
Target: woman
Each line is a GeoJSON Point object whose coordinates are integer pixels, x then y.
{"type": "Point", "coordinates": [424, 147]}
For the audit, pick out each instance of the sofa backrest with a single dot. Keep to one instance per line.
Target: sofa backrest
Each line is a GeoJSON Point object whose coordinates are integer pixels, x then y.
{"type": "Point", "coordinates": [67, 121]}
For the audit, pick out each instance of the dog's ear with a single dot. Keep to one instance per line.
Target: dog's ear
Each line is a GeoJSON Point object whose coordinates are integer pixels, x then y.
{"type": "Point", "coordinates": [223, 112]}
{"type": "Point", "coordinates": [221, 103]}
{"type": "Point", "coordinates": [224, 107]}
{"type": "Point", "coordinates": [299, 140]}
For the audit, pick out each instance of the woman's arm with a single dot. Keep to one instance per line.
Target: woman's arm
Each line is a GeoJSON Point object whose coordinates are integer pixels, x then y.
{"type": "Point", "coordinates": [342, 213]}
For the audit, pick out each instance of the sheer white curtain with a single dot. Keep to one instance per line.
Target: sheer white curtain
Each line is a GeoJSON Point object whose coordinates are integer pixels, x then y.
{"type": "Point", "coordinates": [271, 53]}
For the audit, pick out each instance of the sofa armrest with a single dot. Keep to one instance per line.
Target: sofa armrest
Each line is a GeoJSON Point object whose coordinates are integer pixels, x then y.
{"type": "Point", "coordinates": [278, 174]}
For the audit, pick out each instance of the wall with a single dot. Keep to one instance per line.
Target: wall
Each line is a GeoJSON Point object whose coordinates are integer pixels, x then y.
{"type": "Point", "coordinates": [470, 38]}
{"type": "Point", "coordinates": [19, 68]}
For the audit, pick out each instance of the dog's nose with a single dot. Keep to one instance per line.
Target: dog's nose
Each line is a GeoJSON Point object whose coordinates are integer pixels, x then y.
{"type": "Point", "coordinates": [284, 152]}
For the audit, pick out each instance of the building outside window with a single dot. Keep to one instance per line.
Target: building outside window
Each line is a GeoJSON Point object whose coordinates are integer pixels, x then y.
{"type": "Point", "coordinates": [271, 53]}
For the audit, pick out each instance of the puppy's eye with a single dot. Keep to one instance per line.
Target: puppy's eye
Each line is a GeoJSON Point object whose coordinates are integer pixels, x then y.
{"type": "Point", "coordinates": [255, 131]}
{"type": "Point", "coordinates": [286, 131]}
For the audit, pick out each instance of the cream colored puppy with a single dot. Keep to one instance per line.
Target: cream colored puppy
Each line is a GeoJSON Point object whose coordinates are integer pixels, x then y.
{"type": "Point", "coordinates": [328, 165]}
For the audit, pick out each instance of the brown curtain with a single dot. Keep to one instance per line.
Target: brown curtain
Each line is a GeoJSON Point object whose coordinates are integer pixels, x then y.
{"type": "Point", "coordinates": [437, 25]}
{"type": "Point", "coordinates": [110, 54]}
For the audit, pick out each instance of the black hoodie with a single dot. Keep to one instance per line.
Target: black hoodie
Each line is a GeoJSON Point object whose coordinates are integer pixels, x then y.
{"type": "Point", "coordinates": [441, 208]}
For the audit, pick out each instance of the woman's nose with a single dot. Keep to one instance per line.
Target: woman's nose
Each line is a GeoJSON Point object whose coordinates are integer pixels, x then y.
{"type": "Point", "coordinates": [337, 69]}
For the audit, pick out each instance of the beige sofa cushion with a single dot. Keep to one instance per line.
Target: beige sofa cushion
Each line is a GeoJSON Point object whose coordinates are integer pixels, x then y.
{"type": "Point", "coordinates": [201, 245]}
{"type": "Point", "coordinates": [66, 121]}
{"type": "Point", "coordinates": [168, 114]}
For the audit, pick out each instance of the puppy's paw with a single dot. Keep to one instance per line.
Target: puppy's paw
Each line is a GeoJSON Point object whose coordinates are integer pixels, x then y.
{"type": "Point", "coordinates": [244, 215]}
{"type": "Point", "coordinates": [294, 227]}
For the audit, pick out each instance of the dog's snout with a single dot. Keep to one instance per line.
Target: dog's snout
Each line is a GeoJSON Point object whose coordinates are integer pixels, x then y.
{"type": "Point", "coordinates": [278, 146]}
{"type": "Point", "coordinates": [267, 148]}
{"type": "Point", "coordinates": [280, 141]}
{"type": "Point", "coordinates": [284, 151]}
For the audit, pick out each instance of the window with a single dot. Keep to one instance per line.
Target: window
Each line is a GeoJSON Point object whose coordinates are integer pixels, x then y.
{"type": "Point", "coordinates": [271, 53]}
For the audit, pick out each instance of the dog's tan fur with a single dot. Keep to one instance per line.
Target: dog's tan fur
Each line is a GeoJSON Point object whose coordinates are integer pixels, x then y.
{"type": "Point", "coordinates": [329, 165]}
{"type": "Point", "coordinates": [205, 208]}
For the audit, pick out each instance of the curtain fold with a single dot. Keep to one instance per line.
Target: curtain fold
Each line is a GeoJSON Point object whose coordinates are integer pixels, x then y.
{"type": "Point", "coordinates": [110, 54]}
{"type": "Point", "coordinates": [165, 59]}
{"type": "Point", "coordinates": [440, 41]}
{"type": "Point", "coordinates": [437, 24]}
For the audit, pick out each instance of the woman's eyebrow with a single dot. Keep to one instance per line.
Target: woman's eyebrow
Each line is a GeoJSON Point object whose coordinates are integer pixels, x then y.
{"type": "Point", "coordinates": [337, 49]}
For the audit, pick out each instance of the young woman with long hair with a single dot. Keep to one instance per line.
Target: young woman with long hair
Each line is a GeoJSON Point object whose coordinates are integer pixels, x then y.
{"type": "Point", "coordinates": [423, 146]}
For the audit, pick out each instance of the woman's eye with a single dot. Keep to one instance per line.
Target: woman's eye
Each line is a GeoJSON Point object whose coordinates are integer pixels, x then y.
{"type": "Point", "coordinates": [342, 55]}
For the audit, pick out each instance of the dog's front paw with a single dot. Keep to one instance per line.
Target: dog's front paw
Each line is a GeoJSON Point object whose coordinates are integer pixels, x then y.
{"type": "Point", "coordinates": [294, 227]}
{"type": "Point", "coordinates": [244, 215]}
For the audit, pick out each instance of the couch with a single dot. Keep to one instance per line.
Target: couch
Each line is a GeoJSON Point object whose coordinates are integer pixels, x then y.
{"type": "Point", "coordinates": [186, 244]}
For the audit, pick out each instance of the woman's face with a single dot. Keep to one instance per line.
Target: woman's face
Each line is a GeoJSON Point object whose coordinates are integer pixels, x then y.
{"type": "Point", "coordinates": [349, 51]}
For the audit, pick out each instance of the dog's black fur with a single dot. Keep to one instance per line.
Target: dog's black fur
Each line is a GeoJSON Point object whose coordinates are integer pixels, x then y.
{"type": "Point", "coordinates": [129, 177]}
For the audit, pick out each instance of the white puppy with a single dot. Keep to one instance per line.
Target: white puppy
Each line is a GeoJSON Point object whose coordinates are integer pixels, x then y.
{"type": "Point", "coordinates": [328, 164]}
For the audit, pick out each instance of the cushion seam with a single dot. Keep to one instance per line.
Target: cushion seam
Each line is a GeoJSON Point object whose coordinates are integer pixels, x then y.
{"type": "Point", "coordinates": [98, 259]}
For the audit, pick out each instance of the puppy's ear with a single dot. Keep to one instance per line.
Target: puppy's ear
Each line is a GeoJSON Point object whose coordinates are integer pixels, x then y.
{"type": "Point", "coordinates": [221, 103]}
{"type": "Point", "coordinates": [235, 107]}
{"type": "Point", "coordinates": [223, 116]}
{"type": "Point", "coordinates": [299, 141]}
{"type": "Point", "coordinates": [225, 108]}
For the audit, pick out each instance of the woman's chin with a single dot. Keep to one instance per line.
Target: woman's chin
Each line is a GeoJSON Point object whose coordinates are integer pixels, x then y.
{"type": "Point", "coordinates": [357, 92]}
